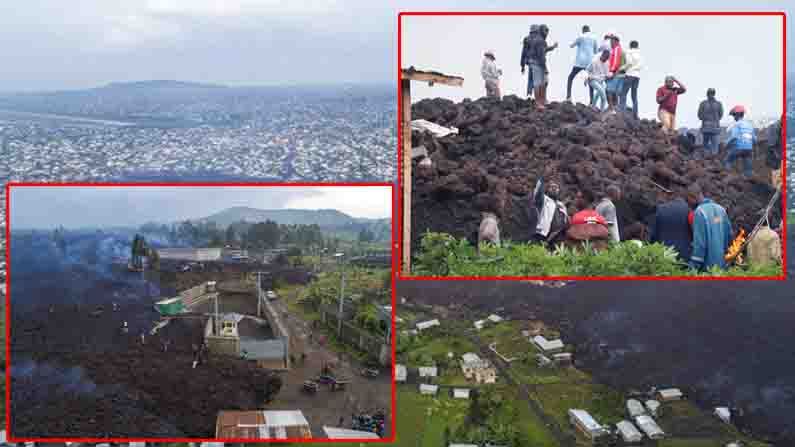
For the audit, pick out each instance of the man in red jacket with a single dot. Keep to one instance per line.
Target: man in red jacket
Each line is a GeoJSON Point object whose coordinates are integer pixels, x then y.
{"type": "Point", "coordinates": [587, 225]}
{"type": "Point", "coordinates": [615, 79]}
{"type": "Point", "coordinates": [667, 96]}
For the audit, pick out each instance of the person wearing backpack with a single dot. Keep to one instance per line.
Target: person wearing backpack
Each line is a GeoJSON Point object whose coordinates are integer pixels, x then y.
{"type": "Point", "coordinates": [710, 112]}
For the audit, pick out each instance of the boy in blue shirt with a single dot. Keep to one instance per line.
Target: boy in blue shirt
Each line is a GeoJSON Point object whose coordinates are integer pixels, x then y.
{"type": "Point", "coordinates": [712, 232]}
{"type": "Point", "coordinates": [586, 50]}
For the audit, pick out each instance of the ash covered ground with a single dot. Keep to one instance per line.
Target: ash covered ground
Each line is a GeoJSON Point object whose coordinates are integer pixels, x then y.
{"type": "Point", "coordinates": [723, 342]}
{"type": "Point", "coordinates": [76, 374]}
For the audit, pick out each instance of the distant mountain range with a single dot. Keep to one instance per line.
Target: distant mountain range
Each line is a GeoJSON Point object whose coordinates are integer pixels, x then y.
{"type": "Point", "coordinates": [162, 83]}
{"type": "Point", "coordinates": [326, 219]}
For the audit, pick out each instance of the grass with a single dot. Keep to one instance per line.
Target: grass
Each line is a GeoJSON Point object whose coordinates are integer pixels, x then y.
{"type": "Point", "coordinates": [604, 403]}
{"type": "Point", "coordinates": [685, 420]}
{"type": "Point", "coordinates": [440, 346]}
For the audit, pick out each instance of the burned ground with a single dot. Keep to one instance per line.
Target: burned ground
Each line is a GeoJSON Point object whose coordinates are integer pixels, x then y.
{"type": "Point", "coordinates": [504, 146]}
{"type": "Point", "coordinates": [75, 373]}
{"type": "Point", "coordinates": [723, 342]}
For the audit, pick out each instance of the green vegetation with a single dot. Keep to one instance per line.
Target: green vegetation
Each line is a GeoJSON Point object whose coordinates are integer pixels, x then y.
{"type": "Point", "coordinates": [444, 255]}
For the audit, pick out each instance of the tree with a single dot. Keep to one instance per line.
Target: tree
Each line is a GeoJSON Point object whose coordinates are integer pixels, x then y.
{"type": "Point", "coordinates": [231, 234]}
{"type": "Point", "coordinates": [365, 235]}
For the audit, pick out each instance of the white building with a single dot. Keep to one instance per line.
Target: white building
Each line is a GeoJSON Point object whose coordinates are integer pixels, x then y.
{"type": "Point", "coordinates": [477, 369]}
{"type": "Point", "coordinates": [428, 371]}
{"type": "Point", "coordinates": [628, 432]}
{"type": "Point", "coordinates": [586, 423]}
{"type": "Point", "coordinates": [479, 324]}
{"type": "Point", "coordinates": [548, 346]}
{"type": "Point", "coordinates": [669, 394]}
{"type": "Point", "coordinates": [346, 433]}
{"type": "Point", "coordinates": [648, 426]}
{"type": "Point", "coordinates": [495, 318]}
{"type": "Point", "coordinates": [430, 390]}
{"type": "Point", "coordinates": [461, 393]}
{"type": "Point", "coordinates": [653, 406]}
{"type": "Point", "coordinates": [635, 408]}
{"type": "Point", "coordinates": [564, 358]}
{"type": "Point", "coordinates": [423, 325]}
{"type": "Point", "coordinates": [724, 414]}
{"type": "Point", "coordinates": [400, 373]}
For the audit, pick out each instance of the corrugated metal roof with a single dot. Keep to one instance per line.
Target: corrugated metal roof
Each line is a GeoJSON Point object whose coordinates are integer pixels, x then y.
{"type": "Point", "coordinates": [585, 419]}
{"type": "Point", "coordinates": [470, 357]}
{"type": "Point", "coordinates": [428, 371]}
{"type": "Point", "coordinates": [428, 389]}
{"type": "Point", "coordinates": [427, 324]}
{"type": "Point", "coordinates": [400, 373]}
{"type": "Point", "coordinates": [461, 393]}
{"type": "Point", "coordinates": [649, 427]}
{"type": "Point", "coordinates": [346, 433]}
{"type": "Point", "coordinates": [635, 408]}
{"type": "Point", "coordinates": [262, 425]}
{"type": "Point", "coordinates": [628, 431]}
{"type": "Point", "coordinates": [285, 418]}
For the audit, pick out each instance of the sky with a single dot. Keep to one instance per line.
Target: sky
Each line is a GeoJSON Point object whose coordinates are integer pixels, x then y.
{"type": "Point", "coordinates": [91, 207]}
{"type": "Point", "coordinates": [697, 50]}
{"type": "Point", "coordinates": [48, 45]}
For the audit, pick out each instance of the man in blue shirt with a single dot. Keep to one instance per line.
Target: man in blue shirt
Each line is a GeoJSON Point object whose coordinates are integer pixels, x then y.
{"type": "Point", "coordinates": [742, 138]}
{"type": "Point", "coordinates": [586, 50]}
{"type": "Point", "coordinates": [712, 231]}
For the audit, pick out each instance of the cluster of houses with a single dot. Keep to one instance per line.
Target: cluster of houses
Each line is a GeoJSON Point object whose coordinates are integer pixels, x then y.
{"type": "Point", "coordinates": [474, 368]}
{"type": "Point", "coordinates": [632, 430]}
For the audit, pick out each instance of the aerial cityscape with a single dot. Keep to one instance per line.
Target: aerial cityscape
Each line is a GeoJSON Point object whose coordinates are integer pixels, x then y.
{"type": "Point", "coordinates": [176, 130]}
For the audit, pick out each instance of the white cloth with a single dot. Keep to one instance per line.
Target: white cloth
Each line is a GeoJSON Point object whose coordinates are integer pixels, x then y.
{"type": "Point", "coordinates": [633, 62]}
{"type": "Point", "coordinates": [547, 214]}
{"type": "Point", "coordinates": [607, 209]}
{"type": "Point", "coordinates": [598, 70]}
{"type": "Point", "coordinates": [489, 70]}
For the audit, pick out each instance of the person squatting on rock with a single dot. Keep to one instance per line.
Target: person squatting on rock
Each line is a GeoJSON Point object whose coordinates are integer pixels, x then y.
{"type": "Point", "coordinates": [710, 112]}
{"type": "Point", "coordinates": [489, 229]}
{"type": "Point", "coordinates": [491, 74]}
{"type": "Point", "coordinates": [631, 69]}
{"type": "Point", "coordinates": [598, 70]}
{"type": "Point", "coordinates": [742, 137]}
{"type": "Point", "coordinates": [552, 215]}
{"type": "Point", "coordinates": [534, 55]}
{"type": "Point", "coordinates": [712, 232]}
{"type": "Point", "coordinates": [667, 96]}
{"type": "Point", "coordinates": [615, 78]}
{"type": "Point", "coordinates": [586, 51]}
{"type": "Point", "coordinates": [586, 224]}
{"type": "Point", "coordinates": [607, 209]}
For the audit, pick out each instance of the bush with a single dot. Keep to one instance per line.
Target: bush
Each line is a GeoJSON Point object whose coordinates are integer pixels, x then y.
{"type": "Point", "coordinates": [444, 255]}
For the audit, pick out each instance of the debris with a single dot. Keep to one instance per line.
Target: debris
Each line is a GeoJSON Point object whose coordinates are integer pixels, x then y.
{"type": "Point", "coordinates": [503, 147]}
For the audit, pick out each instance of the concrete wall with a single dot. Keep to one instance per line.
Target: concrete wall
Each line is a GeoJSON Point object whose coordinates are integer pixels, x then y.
{"type": "Point", "coordinates": [277, 326]}
{"type": "Point", "coordinates": [223, 345]}
{"type": "Point", "coordinates": [362, 340]}
{"type": "Point", "coordinates": [190, 254]}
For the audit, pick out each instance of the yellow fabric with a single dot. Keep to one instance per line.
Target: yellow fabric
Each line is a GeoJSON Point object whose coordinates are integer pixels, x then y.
{"type": "Point", "coordinates": [764, 248]}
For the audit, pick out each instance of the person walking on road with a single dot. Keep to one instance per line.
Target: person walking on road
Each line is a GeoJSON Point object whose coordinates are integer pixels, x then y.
{"type": "Point", "coordinates": [491, 74]}
{"type": "Point", "coordinates": [710, 112]}
{"type": "Point", "coordinates": [586, 51]}
{"type": "Point", "coordinates": [667, 97]}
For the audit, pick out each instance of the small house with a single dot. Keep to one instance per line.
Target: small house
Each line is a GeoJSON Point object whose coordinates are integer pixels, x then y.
{"type": "Point", "coordinates": [724, 414]}
{"type": "Point", "coordinates": [477, 369]}
{"type": "Point", "coordinates": [629, 433]}
{"type": "Point", "coordinates": [400, 373]}
{"type": "Point", "coordinates": [479, 324]}
{"type": "Point", "coordinates": [635, 408]}
{"type": "Point", "coordinates": [262, 425]}
{"type": "Point", "coordinates": [653, 406]}
{"type": "Point", "coordinates": [347, 433]}
{"type": "Point", "coordinates": [586, 423]}
{"type": "Point", "coordinates": [495, 318]}
{"type": "Point", "coordinates": [424, 325]}
{"type": "Point", "coordinates": [548, 346]}
{"type": "Point", "coordinates": [670, 394]}
{"type": "Point", "coordinates": [428, 371]}
{"type": "Point", "coordinates": [460, 393]}
{"type": "Point", "coordinates": [648, 426]}
{"type": "Point", "coordinates": [428, 389]}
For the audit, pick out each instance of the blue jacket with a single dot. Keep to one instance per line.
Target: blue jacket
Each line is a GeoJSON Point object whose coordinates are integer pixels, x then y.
{"type": "Point", "coordinates": [670, 227]}
{"type": "Point", "coordinates": [742, 136]}
{"type": "Point", "coordinates": [586, 49]}
{"type": "Point", "coordinates": [712, 234]}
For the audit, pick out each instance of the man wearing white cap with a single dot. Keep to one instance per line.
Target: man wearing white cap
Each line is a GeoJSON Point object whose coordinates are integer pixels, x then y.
{"type": "Point", "coordinates": [491, 74]}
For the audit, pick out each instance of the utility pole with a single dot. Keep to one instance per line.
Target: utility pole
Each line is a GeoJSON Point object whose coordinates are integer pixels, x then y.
{"type": "Point", "coordinates": [341, 257]}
